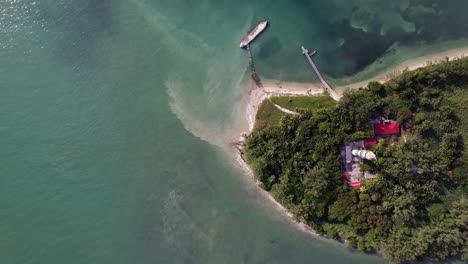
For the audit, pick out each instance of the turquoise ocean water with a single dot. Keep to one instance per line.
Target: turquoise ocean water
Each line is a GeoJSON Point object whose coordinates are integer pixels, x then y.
{"type": "Point", "coordinates": [112, 114]}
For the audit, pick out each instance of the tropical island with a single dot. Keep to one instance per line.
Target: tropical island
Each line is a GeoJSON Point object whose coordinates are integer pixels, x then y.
{"type": "Point", "coordinates": [384, 168]}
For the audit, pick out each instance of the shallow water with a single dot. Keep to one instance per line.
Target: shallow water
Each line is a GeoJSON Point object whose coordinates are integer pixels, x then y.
{"type": "Point", "coordinates": [112, 114]}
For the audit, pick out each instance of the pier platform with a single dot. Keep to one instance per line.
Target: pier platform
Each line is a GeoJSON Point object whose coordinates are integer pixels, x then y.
{"type": "Point", "coordinates": [326, 86]}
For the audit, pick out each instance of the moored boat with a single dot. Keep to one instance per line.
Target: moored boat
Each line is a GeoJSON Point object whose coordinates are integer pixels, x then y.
{"type": "Point", "coordinates": [253, 34]}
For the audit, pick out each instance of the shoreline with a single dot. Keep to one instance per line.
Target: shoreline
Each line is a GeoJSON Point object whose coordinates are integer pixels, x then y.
{"type": "Point", "coordinates": [280, 88]}
{"type": "Point", "coordinates": [255, 98]}
{"type": "Point", "coordinates": [360, 79]}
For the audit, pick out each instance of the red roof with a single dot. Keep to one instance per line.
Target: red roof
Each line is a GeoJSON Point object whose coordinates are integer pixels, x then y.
{"type": "Point", "coordinates": [346, 175]}
{"type": "Point", "coordinates": [389, 128]}
{"type": "Point", "coordinates": [369, 142]}
{"type": "Point", "coordinates": [355, 185]}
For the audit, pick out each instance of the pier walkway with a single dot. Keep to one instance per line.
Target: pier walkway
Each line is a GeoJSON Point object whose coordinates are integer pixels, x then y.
{"type": "Point", "coordinates": [254, 75]}
{"type": "Point", "coordinates": [250, 58]}
{"type": "Point", "coordinates": [326, 86]}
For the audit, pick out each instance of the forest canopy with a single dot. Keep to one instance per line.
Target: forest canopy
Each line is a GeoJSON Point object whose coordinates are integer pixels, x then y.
{"type": "Point", "coordinates": [416, 206]}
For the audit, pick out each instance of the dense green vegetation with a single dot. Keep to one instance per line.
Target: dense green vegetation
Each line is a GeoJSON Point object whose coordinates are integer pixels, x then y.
{"type": "Point", "coordinates": [268, 115]}
{"type": "Point", "coordinates": [417, 205]}
{"type": "Point", "coordinates": [459, 100]}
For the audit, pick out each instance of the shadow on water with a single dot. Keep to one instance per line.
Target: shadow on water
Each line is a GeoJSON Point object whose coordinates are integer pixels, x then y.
{"type": "Point", "coordinates": [358, 50]}
{"type": "Point", "coordinates": [271, 46]}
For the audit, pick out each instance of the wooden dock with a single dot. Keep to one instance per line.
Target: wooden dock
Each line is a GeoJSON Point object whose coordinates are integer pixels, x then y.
{"type": "Point", "coordinates": [254, 74]}
{"type": "Point", "coordinates": [326, 86]}
{"type": "Point", "coordinates": [250, 58]}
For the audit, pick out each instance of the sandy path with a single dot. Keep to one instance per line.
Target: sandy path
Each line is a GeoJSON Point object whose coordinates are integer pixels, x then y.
{"type": "Point", "coordinates": [282, 109]}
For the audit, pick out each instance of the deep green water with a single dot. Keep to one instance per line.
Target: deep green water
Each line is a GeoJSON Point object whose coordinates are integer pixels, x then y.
{"type": "Point", "coordinates": [112, 114]}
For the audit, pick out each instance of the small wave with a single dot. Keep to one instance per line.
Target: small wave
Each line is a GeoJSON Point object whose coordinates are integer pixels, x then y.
{"type": "Point", "coordinates": [191, 233]}
{"type": "Point", "coordinates": [178, 226]}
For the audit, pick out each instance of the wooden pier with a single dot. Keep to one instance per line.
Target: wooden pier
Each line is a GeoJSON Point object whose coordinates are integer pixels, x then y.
{"type": "Point", "coordinates": [326, 86]}
{"type": "Point", "coordinates": [250, 58]}
{"type": "Point", "coordinates": [254, 75]}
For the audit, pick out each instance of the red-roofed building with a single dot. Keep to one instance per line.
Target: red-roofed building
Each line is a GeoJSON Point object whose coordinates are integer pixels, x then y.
{"type": "Point", "coordinates": [355, 185]}
{"type": "Point", "coordinates": [369, 142]}
{"type": "Point", "coordinates": [386, 129]}
{"type": "Point", "coordinates": [354, 153]}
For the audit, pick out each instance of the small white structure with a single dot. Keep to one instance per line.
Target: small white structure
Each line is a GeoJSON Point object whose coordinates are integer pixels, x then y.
{"type": "Point", "coordinates": [369, 175]}
{"type": "Point", "coordinates": [365, 154]}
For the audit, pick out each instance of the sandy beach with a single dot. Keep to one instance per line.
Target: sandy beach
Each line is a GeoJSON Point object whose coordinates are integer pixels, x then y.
{"type": "Point", "coordinates": [358, 81]}
{"type": "Point", "coordinates": [279, 88]}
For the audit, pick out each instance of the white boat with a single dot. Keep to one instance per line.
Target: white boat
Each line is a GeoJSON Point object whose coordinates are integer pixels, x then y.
{"type": "Point", "coordinates": [253, 34]}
